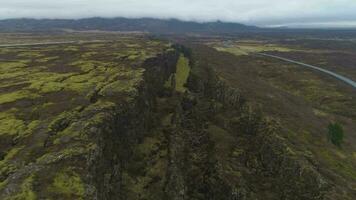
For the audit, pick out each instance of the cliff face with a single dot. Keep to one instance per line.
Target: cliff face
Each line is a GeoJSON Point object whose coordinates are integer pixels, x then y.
{"type": "Point", "coordinates": [208, 143]}
{"type": "Point", "coordinates": [124, 129]}
{"type": "Point", "coordinates": [251, 160]}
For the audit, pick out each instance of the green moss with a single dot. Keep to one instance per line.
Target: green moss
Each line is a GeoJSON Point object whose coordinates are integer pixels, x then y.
{"type": "Point", "coordinates": [8, 114]}
{"type": "Point", "coordinates": [84, 82]}
{"type": "Point", "coordinates": [95, 45]}
{"type": "Point", "coordinates": [68, 134]}
{"type": "Point", "coordinates": [6, 67]}
{"type": "Point", "coordinates": [84, 65]}
{"type": "Point", "coordinates": [233, 50]}
{"type": "Point", "coordinates": [14, 70]}
{"type": "Point", "coordinates": [71, 48]}
{"type": "Point", "coordinates": [8, 75]}
{"type": "Point", "coordinates": [250, 47]}
{"type": "Point", "coordinates": [48, 82]}
{"type": "Point", "coordinates": [133, 45]}
{"type": "Point", "coordinates": [118, 87]}
{"type": "Point", "coordinates": [82, 78]}
{"type": "Point", "coordinates": [26, 192]}
{"type": "Point", "coordinates": [52, 87]}
{"type": "Point", "coordinates": [47, 59]}
{"type": "Point", "coordinates": [62, 121]}
{"type": "Point", "coordinates": [102, 73]}
{"type": "Point", "coordinates": [133, 57]}
{"type": "Point", "coordinates": [3, 184]}
{"type": "Point", "coordinates": [12, 126]}
{"type": "Point", "coordinates": [127, 85]}
{"type": "Point", "coordinates": [87, 55]}
{"type": "Point", "coordinates": [182, 73]}
{"type": "Point", "coordinates": [68, 183]}
{"type": "Point", "coordinates": [17, 95]}
{"type": "Point", "coordinates": [101, 115]}
{"type": "Point", "coordinates": [137, 55]}
{"type": "Point", "coordinates": [12, 152]}
{"type": "Point", "coordinates": [30, 54]}
{"type": "Point", "coordinates": [32, 125]}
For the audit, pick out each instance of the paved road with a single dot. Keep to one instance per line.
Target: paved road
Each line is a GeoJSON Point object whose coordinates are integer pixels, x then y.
{"type": "Point", "coordinates": [337, 76]}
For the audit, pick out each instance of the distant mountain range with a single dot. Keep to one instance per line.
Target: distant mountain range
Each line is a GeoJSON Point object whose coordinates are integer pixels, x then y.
{"type": "Point", "coordinates": [122, 24]}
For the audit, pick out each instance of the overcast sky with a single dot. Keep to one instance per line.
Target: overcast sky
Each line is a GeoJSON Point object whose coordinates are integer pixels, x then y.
{"type": "Point", "coordinates": [322, 13]}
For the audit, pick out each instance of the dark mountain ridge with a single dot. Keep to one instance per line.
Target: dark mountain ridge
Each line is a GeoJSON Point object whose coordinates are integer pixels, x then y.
{"type": "Point", "coordinates": [123, 24]}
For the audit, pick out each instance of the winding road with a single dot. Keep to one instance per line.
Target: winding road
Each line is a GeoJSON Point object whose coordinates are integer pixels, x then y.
{"type": "Point", "coordinates": [333, 74]}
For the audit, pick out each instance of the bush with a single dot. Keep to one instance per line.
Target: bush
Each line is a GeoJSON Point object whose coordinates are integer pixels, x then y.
{"type": "Point", "coordinates": [335, 133]}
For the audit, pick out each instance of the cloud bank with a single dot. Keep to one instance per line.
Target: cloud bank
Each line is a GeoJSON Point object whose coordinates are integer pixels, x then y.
{"type": "Point", "coordinates": [333, 13]}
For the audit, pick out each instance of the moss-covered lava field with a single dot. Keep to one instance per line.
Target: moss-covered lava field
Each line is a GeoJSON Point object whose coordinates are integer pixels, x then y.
{"type": "Point", "coordinates": [128, 116]}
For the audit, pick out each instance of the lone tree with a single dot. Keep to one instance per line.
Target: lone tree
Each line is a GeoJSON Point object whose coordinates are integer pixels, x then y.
{"type": "Point", "coordinates": [335, 133]}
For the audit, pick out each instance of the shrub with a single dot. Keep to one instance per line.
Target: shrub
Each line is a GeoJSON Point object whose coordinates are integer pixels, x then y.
{"type": "Point", "coordinates": [335, 133]}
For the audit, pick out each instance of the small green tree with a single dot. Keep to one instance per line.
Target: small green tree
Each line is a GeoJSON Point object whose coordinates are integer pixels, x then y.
{"type": "Point", "coordinates": [335, 133]}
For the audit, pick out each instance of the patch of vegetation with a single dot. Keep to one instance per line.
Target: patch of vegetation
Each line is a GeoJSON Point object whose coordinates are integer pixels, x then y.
{"type": "Point", "coordinates": [11, 153]}
{"type": "Point", "coordinates": [12, 126]}
{"type": "Point", "coordinates": [247, 47]}
{"type": "Point", "coordinates": [125, 86]}
{"type": "Point", "coordinates": [17, 95]}
{"type": "Point", "coordinates": [11, 66]}
{"type": "Point", "coordinates": [32, 54]}
{"type": "Point", "coordinates": [335, 133]}
{"type": "Point", "coordinates": [182, 73]}
{"type": "Point", "coordinates": [233, 50]}
{"type": "Point", "coordinates": [342, 166]}
{"type": "Point", "coordinates": [84, 65]}
{"type": "Point", "coordinates": [62, 121]}
{"type": "Point", "coordinates": [68, 184]}
{"type": "Point", "coordinates": [47, 59]}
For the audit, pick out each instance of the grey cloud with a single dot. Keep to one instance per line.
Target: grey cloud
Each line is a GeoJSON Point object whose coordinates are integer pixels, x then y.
{"type": "Point", "coordinates": [257, 12]}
